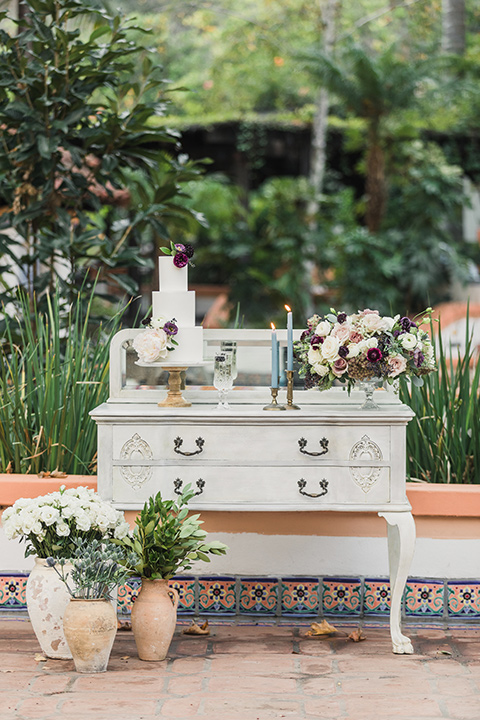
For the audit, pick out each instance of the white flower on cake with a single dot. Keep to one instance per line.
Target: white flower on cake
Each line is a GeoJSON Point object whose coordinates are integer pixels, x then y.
{"type": "Point", "coordinates": [153, 344]}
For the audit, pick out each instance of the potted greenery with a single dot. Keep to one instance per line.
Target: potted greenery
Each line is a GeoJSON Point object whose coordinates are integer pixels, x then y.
{"type": "Point", "coordinates": [90, 620]}
{"type": "Point", "coordinates": [51, 525]}
{"type": "Point", "coordinates": [166, 539]}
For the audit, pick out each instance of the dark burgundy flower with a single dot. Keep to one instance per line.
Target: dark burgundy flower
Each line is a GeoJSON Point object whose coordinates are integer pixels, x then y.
{"type": "Point", "coordinates": [418, 358]}
{"type": "Point", "coordinates": [170, 328]}
{"type": "Point", "coordinates": [405, 323]}
{"type": "Point", "coordinates": [304, 335]}
{"type": "Point", "coordinates": [343, 351]}
{"type": "Point", "coordinates": [180, 260]}
{"type": "Point", "coordinates": [146, 321]}
{"type": "Point", "coordinates": [316, 341]}
{"type": "Point", "coordinates": [189, 251]}
{"type": "Point", "coordinates": [374, 355]}
{"type": "Point", "coordinates": [341, 317]}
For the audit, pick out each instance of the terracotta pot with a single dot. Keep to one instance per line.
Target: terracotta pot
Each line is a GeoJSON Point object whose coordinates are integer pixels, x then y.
{"type": "Point", "coordinates": [154, 616]}
{"type": "Point", "coordinates": [47, 599]}
{"type": "Point", "coordinates": [90, 627]}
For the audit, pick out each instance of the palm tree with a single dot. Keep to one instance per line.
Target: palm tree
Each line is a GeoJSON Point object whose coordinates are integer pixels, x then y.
{"type": "Point", "coordinates": [373, 87]}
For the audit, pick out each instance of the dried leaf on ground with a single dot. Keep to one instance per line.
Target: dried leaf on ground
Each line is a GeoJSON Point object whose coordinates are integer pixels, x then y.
{"type": "Point", "coordinates": [357, 635]}
{"type": "Point", "coordinates": [125, 657]}
{"type": "Point", "coordinates": [9, 468]}
{"type": "Point", "coordinates": [195, 629]}
{"type": "Point", "coordinates": [320, 629]}
{"type": "Point", "coordinates": [40, 657]}
{"type": "Point", "coordinates": [124, 625]}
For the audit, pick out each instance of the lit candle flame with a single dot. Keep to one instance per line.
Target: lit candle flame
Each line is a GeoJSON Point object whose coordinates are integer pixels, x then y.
{"type": "Point", "coordinates": [288, 309]}
{"type": "Point", "coordinates": [272, 326]}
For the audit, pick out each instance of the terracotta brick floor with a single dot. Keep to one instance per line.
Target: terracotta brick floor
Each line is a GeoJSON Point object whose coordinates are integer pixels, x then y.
{"type": "Point", "coordinates": [248, 672]}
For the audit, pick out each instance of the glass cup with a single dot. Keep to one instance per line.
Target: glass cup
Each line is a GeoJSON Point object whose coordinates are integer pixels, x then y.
{"type": "Point", "coordinates": [223, 378]}
{"type": "Point", "coordinates": [228, 346]}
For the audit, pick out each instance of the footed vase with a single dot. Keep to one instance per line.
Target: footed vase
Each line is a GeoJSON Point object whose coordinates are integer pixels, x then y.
{"type": "Point", "coordinates": [154, 617]}
{"type": "Point", "coordinates": [47, 599]}
{"type": "Point", "coordinates": [90, 627]}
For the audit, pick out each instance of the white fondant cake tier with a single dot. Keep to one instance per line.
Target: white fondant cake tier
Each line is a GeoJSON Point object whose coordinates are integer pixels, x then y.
{"type": "Point", "coordinates": [171, 278]}
{"type": "Point", "coordinates": [189, 349]}
{"type": "Point", "coordinates": [178, 305]}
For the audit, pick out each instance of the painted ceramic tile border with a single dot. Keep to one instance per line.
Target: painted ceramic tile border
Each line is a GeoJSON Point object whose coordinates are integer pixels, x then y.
{"type": "Point", "coordinates": [291, 597]}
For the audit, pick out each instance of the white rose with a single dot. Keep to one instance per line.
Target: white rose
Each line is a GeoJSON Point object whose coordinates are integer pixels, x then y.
{"type": "Point", "coordinates": [121, 531]}
{"type": "Point", "coordinates": [408, 341]}
{"type": "Point", "coordinates": [367, 344]}
{"type": "Point", "coordinates": [323, 328]}
{"type": "Point", "coordinates": [49, 515]}
{"type": "Point", "coordinates": [314, 356]}
{"type": "Point", "coordinates": [390, 322]}
{"type": "Point", "coordinates": [353, 350]}
{"type": "Point", "coordinates": [330, 348]}
{"type": "Point", "coordinates": [320, 369]}
{"type": "Point", "coordinates": [151, 345]}
{"type": "Point", "coordinates": [83, 521]}
{"type": "Point", "coordinates": [62, 529]}
{"type": "Point", "coordinates": [374, 323]}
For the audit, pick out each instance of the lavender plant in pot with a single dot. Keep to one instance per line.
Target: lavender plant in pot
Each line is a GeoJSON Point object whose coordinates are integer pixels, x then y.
{"type": "Point", "coordinates": [166, 539]}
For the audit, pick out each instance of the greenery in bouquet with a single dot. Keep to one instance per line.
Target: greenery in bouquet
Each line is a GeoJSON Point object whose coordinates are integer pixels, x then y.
{"type": "Point", "coordinates": [52, 524]}
{"type": "Point", "coordinates": [166, 539]}
{"type": "Point", "coordinates": [364, 346]}
{"type": "Point", "coordinates": [97, 569]}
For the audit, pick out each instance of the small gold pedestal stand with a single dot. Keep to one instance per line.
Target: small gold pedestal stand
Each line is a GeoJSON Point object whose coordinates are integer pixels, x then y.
{"type": "Point", "coordinates": [290, 404]}
{"type": "Point", "coordinates": [274, 405]}
{"type": "Point", "coordinates": [174, 396]}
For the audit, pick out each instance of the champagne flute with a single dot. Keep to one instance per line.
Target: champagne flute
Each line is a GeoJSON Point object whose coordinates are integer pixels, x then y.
{"type": "Point", "coordinates": [222, 378]}
{"type": "Point", "coordinates": [229, 346]}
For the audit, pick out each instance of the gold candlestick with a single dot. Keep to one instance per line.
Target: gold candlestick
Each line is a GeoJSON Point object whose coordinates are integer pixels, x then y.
{"type": "Point", "coordinates": [174, 397]}
{"type": "Point", "coordinates": [274, 405]}
{"type": "Point", "coordinates": [290, 404]}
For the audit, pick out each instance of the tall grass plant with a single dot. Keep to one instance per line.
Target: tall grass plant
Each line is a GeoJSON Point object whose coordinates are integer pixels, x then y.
{"type": "Point", "coordinates": [443, 440]}
{"type": "Point", "coordinates": [53, 371]}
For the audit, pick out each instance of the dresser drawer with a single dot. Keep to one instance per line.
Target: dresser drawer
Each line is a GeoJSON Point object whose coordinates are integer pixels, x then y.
{"type": "Point", "coordinates": [251, 444]}
{"type": "Point", "coordinates": [256, 488]}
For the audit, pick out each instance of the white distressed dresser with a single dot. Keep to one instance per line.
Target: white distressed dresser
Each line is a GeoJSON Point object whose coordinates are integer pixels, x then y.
{"type": "Point", "coordinates": [329, 455]}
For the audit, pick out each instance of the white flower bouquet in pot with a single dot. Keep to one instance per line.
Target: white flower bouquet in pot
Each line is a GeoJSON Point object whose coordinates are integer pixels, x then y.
{"type": "Point", "coordinates": [51, 525]}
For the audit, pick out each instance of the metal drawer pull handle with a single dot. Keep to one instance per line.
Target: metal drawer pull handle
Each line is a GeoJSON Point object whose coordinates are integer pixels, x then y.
{"type": "Point", "coordinates": [178, 442]}
{"type": "Point", "coordinates": [178, 486]}
{"type": "Point", "coordinates": [303, 484]}
{"type": "Point", "coordinates": [323, 444]}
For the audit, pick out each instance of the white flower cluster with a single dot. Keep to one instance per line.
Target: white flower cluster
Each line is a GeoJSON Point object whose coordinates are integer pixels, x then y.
{"type": "Point", "coordinates": [64, 514]}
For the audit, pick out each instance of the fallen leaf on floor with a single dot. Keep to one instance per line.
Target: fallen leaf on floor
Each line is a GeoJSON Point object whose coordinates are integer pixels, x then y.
{"type": "Point", "coordinates": [124, 625]}
{"type": "Point", "coordinates": [195, 629]}
{"type": "Point", "coordinates": [54, 474]}
{"type": "Point", "coordinates": [445, 652]}
{"type": "Point", "coordinates": [125, 657]}
{"type": "Point", "coordinates": [357, 635]}
{"type": "Point", "coordinates": [39, 657]}
{"type": "Point", "coordinates": [319, 629]}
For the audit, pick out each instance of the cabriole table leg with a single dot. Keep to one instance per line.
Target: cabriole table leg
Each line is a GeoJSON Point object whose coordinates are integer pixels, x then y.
{"type": "Point", "coordinates": [401, 545]}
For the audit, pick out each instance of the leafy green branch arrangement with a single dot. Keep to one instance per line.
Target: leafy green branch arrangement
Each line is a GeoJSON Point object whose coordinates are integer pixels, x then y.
{"type": "Point", "coordinates": [166, 539]}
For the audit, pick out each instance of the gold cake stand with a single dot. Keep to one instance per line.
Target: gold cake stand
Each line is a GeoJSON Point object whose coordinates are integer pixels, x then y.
{"type": "Point", "coordinates": [174, 383]}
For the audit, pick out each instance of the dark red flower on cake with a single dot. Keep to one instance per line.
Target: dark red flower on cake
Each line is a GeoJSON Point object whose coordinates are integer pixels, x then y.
{"type": "Point", "coordinates": [180, 260]}
{"type": "Point", "coordinates": [189, 251]}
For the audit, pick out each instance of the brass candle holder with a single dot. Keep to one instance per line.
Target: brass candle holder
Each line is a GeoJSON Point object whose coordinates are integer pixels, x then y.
{"type": "Point", "coordinates": [290, 404]}
{"type": "Point", "coordinates": [274, 405]}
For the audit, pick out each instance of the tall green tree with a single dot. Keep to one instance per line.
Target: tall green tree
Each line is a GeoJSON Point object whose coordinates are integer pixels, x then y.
{"type": "Point", "coordinates": [372, 87]}
{"type": "Point", "coordinates": [76, 118]}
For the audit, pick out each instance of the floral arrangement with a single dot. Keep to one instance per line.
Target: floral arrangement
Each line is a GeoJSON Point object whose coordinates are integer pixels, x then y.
{"type": "Point", "coordinates": [182, 254]}
{"type": "Point", "coordinates": [363, 346]}
{"type": "Point", "coordinates": [155, 342]}
{"type": "Point", "coordinates": [51, 524]}
{"type": "Point", "coordinates": [97, 569]}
